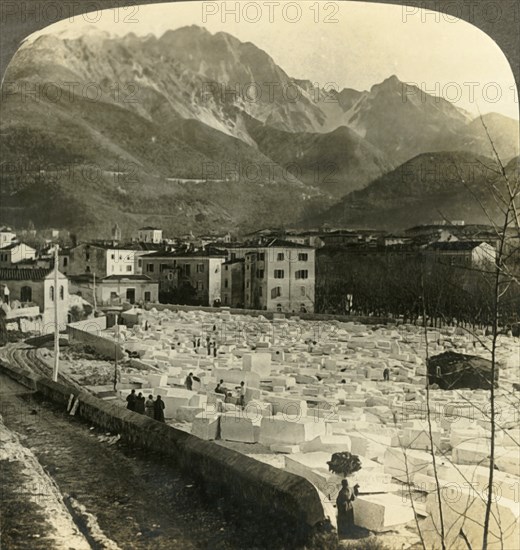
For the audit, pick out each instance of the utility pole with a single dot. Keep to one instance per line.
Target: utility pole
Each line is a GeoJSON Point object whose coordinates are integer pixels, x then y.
{"type": "Point", "coordinates": [116, 347]}
{"type": "Point", "coordinates": [94, 292]}
{"type": "Point", "coordinates": [56, 324]}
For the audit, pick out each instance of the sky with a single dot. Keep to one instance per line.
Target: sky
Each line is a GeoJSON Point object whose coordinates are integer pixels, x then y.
{"type": "Point", "coordinates": [349, 44]}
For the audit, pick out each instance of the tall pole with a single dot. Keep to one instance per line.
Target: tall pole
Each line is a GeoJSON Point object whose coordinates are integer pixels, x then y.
{"type": "Point", "coordinates": [94, 292]}
{"type": "Point", "coordinates": [115, 352]}
{"type": "Point", "coordinates": [56, 324]}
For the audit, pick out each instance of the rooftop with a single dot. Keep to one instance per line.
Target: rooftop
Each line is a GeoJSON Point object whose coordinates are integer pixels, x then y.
{"type": "Point", "coordinates": [23, 274]}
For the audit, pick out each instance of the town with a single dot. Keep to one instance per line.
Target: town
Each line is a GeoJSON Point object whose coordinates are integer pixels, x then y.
{"type": "Point", "coordinates": [333, 271]}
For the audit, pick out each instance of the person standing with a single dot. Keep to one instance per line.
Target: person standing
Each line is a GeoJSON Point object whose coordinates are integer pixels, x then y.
{"type": "Point", "coordinates": [149, 407]}
{"type": "Point", "coordinates": [346, 497]}
{"type": "Point", "coordinates": [139, 404]}
{"type": "Point", "coordinates": [189, 381]}
{"type": "Point", "coordinates": [159, 409]}
{"type": "Point", "coordinates": [131, 401]}
{"type": "Point", "coordinates": [386, 374]}
{"type": "Point", "coordinates": [242, 394]}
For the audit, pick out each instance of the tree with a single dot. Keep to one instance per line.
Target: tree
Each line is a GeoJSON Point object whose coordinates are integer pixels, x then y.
{"type": "Point", "coordinates": [344, 463]}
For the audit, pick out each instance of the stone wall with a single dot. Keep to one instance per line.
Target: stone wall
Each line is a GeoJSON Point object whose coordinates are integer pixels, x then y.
{"type": "Point", "coordinates": [288, 505]}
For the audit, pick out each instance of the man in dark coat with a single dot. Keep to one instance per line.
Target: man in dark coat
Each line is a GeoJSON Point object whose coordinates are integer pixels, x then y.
{"type": "Point", "coordinates": [159, 409]}
{"type": "Point", "coordinates": [189, 381]}
{"type": "Point", "coordinates": [346, 497]}
{"type": "Point", "coordinates": [131, 401]}
{"type": "Point", "coordinates": [139, 404]}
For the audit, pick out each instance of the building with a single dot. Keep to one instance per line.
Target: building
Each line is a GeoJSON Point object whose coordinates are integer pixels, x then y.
{"type": "Point", "coordinates": [149, 235]}
{"type": "Point", "coordinates": [187, 277]}
{"type": "Point", "coordinates": [7, 236]}
{"type": "Point", "coordinates": [104, 259]}
{"type": "Point", "coordinates": [461, 253]}
{"type": "Point", "coordinates": [232, 286]}
{"type": "Point", "coordinates": [23, 288]}
{"type": "Point", "coordinates": [278, 275]}
{"type": "Point", "coordinates": [115, 290]}
{"type": "Point", "coordinates": [16, 252]}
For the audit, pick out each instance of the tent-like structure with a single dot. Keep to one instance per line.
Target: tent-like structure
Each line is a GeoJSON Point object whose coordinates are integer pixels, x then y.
{"type": "Point", "coordinates": [451, 371]}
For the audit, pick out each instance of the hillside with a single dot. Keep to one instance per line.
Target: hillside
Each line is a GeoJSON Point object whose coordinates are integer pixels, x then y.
{"type": "Point", "coordinates": [430, 187]}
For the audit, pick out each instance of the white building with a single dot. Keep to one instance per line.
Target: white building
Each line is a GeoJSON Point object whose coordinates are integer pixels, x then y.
{"type": "Point", "coordinates": [149, 235]}
{"type": "Point", "coordinates": [15, 253]}
{"type": "Point", "coordinates": [7, 236]}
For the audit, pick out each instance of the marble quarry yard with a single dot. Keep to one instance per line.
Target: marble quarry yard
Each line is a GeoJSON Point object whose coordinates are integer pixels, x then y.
{"type": "Point", "coordinates": [314, 388]}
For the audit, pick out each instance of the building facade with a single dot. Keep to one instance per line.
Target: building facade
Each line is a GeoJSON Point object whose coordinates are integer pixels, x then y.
{"type": "Point", "coordinates": [115, 290]}
{"type": "Point", "coordinates": [16, 252]}
{"type": "Point", "coordinates": [149, 235]}
{"type": "Point", "coordinates": [25, 287]}
{"type": "Point", "coordinates": [233, 283]}
{"type": "Point", "coordinates": [104, 260]}
{"type": "Point", "coordinates": [191, 277]}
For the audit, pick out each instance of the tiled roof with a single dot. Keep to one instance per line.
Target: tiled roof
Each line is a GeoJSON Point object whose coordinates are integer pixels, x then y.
{"type": "Point", "coordinates": [127, 278]}
{"type": "Point", "coordinates": [23, 274]}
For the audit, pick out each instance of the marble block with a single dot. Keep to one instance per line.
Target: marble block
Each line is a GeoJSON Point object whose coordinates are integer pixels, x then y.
{"type": "Point", "coordinates": [279, 429]}
{"type": "Point", "coordinates": [381, 512]}
{"type": "Point", "coordinates": [206, 426]}
{"type": "Point", "coordinates": [234, 426]}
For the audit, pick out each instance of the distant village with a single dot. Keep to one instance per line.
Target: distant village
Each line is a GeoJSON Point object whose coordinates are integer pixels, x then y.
{"type": "Point", "coordinates": [337, 271]}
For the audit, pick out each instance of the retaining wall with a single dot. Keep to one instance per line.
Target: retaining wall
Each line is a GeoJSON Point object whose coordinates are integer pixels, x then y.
{"type": "Point", "coordinates": [288, 505]}
{"type": "Point", "coordinates": [87, 332]}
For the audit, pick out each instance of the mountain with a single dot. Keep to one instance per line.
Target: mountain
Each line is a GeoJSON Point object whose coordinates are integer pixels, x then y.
{"type": "Point", "coordinates": [336, 162]}
{"type": "Point", "coordinates": [431, 186]}
{"type": "Point", "coordinates": [201, 130]}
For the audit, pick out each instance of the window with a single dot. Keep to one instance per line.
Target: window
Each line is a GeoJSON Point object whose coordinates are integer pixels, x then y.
{"type": "Point", "coordinates": [87, 256]}
{"type": "Point", "coordinates": [62, 292]}
{"type": "Point", "coordinates": [303, 257]}
{"type": "Point", "coordinates": [225, 283]}
{"type": "Point", "coordinates": [233, 256]}
{"type": "Point", "coordinates": [26, 294]}
{"type": "Point", "coordinates": [278, 273]}
{"type": "Point", "coordinates": [261, 256]}
{"type": "Point", "coordinates": [147, 296]}
{"type": "Point", "coordinates": [51, 293]}
{"type": "Point", "coordinates": [187, 270]}
{"type": "Point", "coordinates": [301, 274]}
{"type": "Point", "coordinates": [170, 276]}
{"type": "Point", "coordinates": [129, 268]}
{"type": "Point", "coordinates": [200, 285]}
{"type": "Point", "coordinates": [260, 291]}
{"type": "Point", "coordinates": [65, 261]}
{"type": "Point", "coordinates": [139, 263]}
{"type": "Point", "coordinates": [278, 307]}
{"type": "Point", "coordinates": [87, 269]}
{"type": "Point", "coordinates": [280, 256]}
{"type": "Point", "coordinates": [276, 292]}
{"type": "Point", "coordinates": [260, 273]}
{"type": "Point", "coordinates": [112, 256]}
{"type": "Point", "coordinates": [149, 268]}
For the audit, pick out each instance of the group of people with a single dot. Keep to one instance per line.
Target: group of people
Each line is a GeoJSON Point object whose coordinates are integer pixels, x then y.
{"type": "Point", "coordinates": [150, 407]}
{"type": "Point", "coordinates": [239, 390]}
{"type": "Point", "coordinates": [211, 344]}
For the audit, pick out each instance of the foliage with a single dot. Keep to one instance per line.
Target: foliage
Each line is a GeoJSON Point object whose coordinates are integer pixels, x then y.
{"type": "Point", "coordinates": [344, 463]}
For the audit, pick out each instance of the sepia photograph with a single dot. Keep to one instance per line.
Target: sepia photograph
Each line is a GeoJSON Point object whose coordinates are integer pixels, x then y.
{"type": "Point", "coordinates": [259, 275]}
